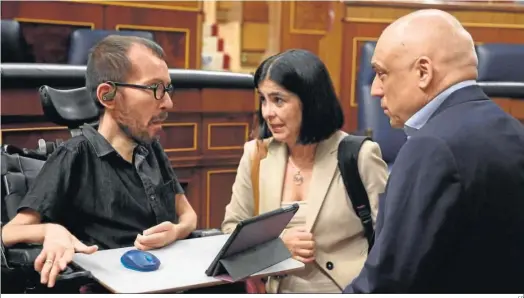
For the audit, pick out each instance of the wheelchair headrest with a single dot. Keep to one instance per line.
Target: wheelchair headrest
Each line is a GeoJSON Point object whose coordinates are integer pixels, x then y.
{"type": "Point", "coordinates": [71, 108]}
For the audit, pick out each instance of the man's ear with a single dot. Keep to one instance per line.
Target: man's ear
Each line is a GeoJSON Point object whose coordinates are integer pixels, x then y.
{"type": "Point", "coordinates": [424, 67]}
{"type": "Point", "coordinates": [105, 94]}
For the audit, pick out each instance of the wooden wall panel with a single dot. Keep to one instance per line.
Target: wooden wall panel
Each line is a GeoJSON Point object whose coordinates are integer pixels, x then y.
{"type": "Point", "coordinates": [27, 137]}
{"type": "Point", "coordinates": [310, 17]}
{"type": "Point", "coordinates": [46, 29]}
{"type": "Point", "coordinates": [302, 40]}
{"type": "Point", "coordinates": [254, 32]}
{"type": "Point", "coordinates": [218, 195]}
{"type": "Point", "coordinates": [255, 11]}
{"type": "Point", "coordinates": [49, 43]}
{"type": "Point", "coordinates": [191, 181]}
{"type": "Point", "coordinates": [53, 11]}
{"type": "Point", "coordinates": [512, 107]}
{"type": "Point", "coordinates": [226, 134]}
{"type": "Point", "coordinates": [27, 103]}
{"type": "Point", "coordinates": [254, 37]}
{"type": "Point", "coordinates": [187, 100]}
{"type": "Point", "coordinates": [228, 100]}
{"type": "Point", "coordinates": [228, 11]}
{"type": "Point", "coordinates": [175, 31]}
{"type": "Point", "coordinates": [165, 5]}
{"type": "Point", "coordinates": [315, 26]}
{"type": "Point", "coordinates": [177, 5]}
{"type": "Point", "coordinates": [180, 137]}
{"type": "Point", "coordinates": [366, 20]}
{"type": "Point", "coordinates": [517, 109]}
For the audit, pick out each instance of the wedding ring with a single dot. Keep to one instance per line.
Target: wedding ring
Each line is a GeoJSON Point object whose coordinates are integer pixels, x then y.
{"type": "Point", "coordinates": [49, 261]}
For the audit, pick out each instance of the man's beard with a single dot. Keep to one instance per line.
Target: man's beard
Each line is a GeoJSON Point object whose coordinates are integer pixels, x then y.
{"type": "Point", "coordinates": [137, 137]}
{"type": "Point", "coordinates": [133, 129]}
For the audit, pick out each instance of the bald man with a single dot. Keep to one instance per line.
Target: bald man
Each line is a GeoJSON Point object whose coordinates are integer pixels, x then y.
{"type": "Point", "coordinates": [452, 217]}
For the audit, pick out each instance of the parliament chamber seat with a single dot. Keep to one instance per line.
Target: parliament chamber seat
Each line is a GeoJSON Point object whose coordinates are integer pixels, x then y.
{"type": "Point", "coordinates": [14, 46]}
{"type": "Point", "coordinates": [501, 70]}
{"type": "Point", "coordinates": [82, 40]}
{"type": "Point", "coordinates": [500, 62]}
{"type": "Point", "coordinates": [501, 74]}
{"type": "Point", "coordinates": [371, 118]}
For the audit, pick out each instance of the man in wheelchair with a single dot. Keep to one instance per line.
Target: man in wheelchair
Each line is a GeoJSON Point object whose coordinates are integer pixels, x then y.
{"type": "Point", "coordinates": [113, 186]}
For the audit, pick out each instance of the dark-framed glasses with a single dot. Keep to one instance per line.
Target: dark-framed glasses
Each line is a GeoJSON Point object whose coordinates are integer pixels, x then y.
{"type": "Point", "coordinates": [159, 89]}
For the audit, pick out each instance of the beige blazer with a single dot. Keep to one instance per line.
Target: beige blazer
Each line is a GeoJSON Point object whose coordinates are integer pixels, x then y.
{"type": "Point", "coordinates": [336, 228]}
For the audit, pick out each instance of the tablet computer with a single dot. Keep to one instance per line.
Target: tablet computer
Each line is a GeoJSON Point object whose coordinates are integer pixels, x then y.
{"type": "Point", "coordinates": [252, 232]}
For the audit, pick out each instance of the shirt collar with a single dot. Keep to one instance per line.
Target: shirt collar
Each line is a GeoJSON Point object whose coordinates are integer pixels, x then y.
{"type": "Point", "coordinates": [103, 147]}
{"type": "Point", "coordinates": [100, 144]}
{"type": "Point", "coordinates": [420, 118]}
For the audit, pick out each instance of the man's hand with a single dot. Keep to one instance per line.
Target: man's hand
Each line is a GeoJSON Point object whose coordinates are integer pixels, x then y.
{"type": "Point", "coordinates": [157, 236]}
{"type": "Point", "coordinates": [59, 246]}
{"type": "Point", "coordinates": [300, 243]}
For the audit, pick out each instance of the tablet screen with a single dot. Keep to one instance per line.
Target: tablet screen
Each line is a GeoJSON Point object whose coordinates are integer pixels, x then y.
{"type": "Point", "coordinates": [254, 231]}
{"type": "Point", "coordinates": [261, 229]}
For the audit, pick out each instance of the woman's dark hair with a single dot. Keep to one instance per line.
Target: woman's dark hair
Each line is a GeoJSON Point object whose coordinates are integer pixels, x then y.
{"type": "Point", "coordinates": [304, 74]}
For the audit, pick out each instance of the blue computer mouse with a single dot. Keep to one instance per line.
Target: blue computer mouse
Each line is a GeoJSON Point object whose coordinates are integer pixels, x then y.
{"type": "Point", "coordinates": [140, 260]}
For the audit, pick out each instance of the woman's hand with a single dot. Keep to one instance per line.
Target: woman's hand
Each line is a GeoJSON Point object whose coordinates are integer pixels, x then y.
{"type": "Point", "coordinates": [300, 243]}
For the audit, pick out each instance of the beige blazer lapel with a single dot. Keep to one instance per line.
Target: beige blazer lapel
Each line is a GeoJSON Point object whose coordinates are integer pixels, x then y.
{"type": "Point", "coordinates": [272, 171]}
{"type": "Point", "coordinates": [324, 170]}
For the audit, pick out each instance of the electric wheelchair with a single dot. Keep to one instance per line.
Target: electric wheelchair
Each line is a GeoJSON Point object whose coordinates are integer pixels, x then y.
{"type": "Point", "coordinates": [20, 166]}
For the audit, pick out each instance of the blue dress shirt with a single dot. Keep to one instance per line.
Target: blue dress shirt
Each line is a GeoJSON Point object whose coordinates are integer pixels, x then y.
{"type": "Point", "coordinates": [419, 119]}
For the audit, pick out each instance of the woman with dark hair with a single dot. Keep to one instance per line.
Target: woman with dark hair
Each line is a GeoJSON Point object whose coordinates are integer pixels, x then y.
{"type": "Point", "coordinates": [294, 160]}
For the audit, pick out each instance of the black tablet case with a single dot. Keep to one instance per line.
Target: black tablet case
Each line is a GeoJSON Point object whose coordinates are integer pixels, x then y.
{"type": "Point", "coordinates": [254, 245]}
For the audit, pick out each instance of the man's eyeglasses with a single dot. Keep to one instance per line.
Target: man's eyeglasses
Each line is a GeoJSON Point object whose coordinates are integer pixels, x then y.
{"type": "Point", "coordinates": [159, 89]}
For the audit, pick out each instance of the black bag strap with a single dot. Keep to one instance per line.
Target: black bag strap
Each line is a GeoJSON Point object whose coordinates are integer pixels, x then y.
{"type": "Point", "coordinates": [348, 150]}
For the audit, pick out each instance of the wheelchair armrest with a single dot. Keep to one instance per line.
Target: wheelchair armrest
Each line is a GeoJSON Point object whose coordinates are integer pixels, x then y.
{"type": "Point", "coordinates": [73, 272]}
{"type": "Point", "coordinates": [204, 233]}
{"type": "Point", "coordinates": [24, 256]}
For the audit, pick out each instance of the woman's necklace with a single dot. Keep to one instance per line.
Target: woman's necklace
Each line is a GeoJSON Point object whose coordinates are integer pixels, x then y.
{"type": "Point", "coordinates": [297, 178]}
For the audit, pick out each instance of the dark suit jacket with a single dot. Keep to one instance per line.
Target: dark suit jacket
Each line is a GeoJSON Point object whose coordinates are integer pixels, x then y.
{"type": "Point", "coordinates": [452, 218]}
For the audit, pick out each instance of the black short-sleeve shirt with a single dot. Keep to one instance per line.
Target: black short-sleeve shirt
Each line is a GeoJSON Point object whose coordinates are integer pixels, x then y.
{"type": "Point", "coordinates": [101, 198]}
